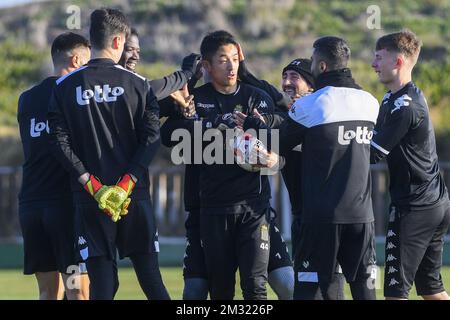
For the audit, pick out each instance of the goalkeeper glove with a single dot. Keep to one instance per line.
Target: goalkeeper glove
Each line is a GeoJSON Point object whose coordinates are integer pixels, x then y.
{"type": "Point", "coordinates": [119, 198]}
{"type": "Point", "coordinates": [190, 64]}
{"type": "Point", "coordinates": [100, 192]}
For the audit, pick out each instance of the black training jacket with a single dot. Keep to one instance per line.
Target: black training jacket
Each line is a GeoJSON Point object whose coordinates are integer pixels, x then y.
{"type": "Point", "coordinates": [104, 120]}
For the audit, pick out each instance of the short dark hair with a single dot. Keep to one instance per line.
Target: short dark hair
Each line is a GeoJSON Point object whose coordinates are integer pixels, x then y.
{"type": "Point", "coordinates": [63, 45]}
{"type": "Point", "coordinates": [405, 42]}
{"type": "Point", "coordinates": [213, 41]}
{"type": "Point", "coordinates": [133, 32]}
{"type": "Point", "coordinates": [106, 23]}
{"type": "Point", "coordinates": [334, 51]}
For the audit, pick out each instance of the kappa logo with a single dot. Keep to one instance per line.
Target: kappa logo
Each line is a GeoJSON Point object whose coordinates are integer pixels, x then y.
{"type": "Point", "coordinates": [262, 105]}
{"type": "Point", "coordinates": [37, 128]}
{"type": "Point", "coordinates": [391, 234]}
{"type": "Point", "coordinates": [390, 258]}
{"type": "Point", "coordinates": [81, 241]}
{"type": "Point", "coordinates": [392, 270]}
{"type": "Point", "coordinates": [84, 252]}
{"type": "Point", "coordinates": [390, 245]}
{"type": "Point", "coordinates": [205, 105]}
{"type": "Point", "coordinates": [393, 282]}
{"type": "Point", "coordinates": [100, 94]}
{"type": "Point", "coordinates": [402, 101]}
{"type": "Point", "coordinates": [362, 135]}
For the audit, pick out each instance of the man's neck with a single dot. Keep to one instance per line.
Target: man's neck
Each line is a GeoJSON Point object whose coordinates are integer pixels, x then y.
{"type": "Point", "coordinates": [104, 54]}
{"type": "Point", "coordinates": [399, 82]}
{"type": "Point", "coordinates": [225, 89]}
{"type": "Point", "coordinates": [62, 71]}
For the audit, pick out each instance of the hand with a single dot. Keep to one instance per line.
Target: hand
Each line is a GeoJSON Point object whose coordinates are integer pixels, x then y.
{"type": "Point", "coordinates": [258, 115]}
{"type": "Point", "coordinates": [118, 203]}
{"type": "Point", "coordinates": [251, 154]}
{"type": "Point", "coordinates": [184, 101]}
{"type": "Point", "coordinates": [199, 72]}
{"type": "Point", "coordinates": [224, 122]}
{"type": "Point", "coordinates": [190, 63]}
{"type": "Point", "coordinates": [119, 198]}
{"type": "Point", "coordinates": [240, 53]}
{"type": "Point", "coordinates": [262, 157]}
{"type": "Point", "coordinates": [100, 192]}
{"type": "Point", "coordinates": [240, 118]}
{"type": "Point", "coordinates": [190, 111]}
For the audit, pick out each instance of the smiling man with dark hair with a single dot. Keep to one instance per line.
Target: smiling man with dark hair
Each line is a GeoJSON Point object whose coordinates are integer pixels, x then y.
{"type": "Point", "coordinates": [232, 206]}
{"type": "Point", "coordinates": [334, 125]}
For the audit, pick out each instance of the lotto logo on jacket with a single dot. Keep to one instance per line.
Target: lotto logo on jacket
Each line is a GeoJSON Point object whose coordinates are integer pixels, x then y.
{"type": "Point", "coordinates": [100, 94]}
{"type": "Point", "coordinates": [361, 135]}
{"type": "Point", "coordinates": [336, 128]}
{"type": "Point", "coordinates": [37, 127]}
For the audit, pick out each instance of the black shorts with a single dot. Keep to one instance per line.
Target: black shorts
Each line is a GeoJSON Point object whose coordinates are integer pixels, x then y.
{"type": "Point", "coordinates": [232, 241]}
{"type": "Point", "coordinates": [194, 260]}
{"type": "Point", "coordinates": [97, 235]}
{"type": "Point", "coordinates": [295, 236]}
{"type": "Point", "coordinates": [137, 231]}
{"type": "Point", "coordinates": [279, 253]}
{"type": "Point", "coordinates": [321, 247]}
{"type": "Point", "coordinates": [414, 244]}
{"type": "Point", "coordinates": [48, 236]}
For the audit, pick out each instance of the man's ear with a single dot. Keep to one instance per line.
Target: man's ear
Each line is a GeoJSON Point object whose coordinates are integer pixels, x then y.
{"type": "Point", "coordinates": [400, 60]}
{"type": "Point", "coordinates": [206, 65]}
{"type": "Point", "coordinates": [75, 61]}
{"type": "Point", "coordinates": [116, 42]}
{"type": "Point", "coordinates": [322, 66]}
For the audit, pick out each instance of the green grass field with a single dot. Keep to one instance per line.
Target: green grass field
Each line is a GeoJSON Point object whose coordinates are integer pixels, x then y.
{"type": "Point", "coordinates": [14, 285]}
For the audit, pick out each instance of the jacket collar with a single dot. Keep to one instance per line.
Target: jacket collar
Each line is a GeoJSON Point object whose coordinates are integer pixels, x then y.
{"type": "Point", "coordinates": [336, 78]}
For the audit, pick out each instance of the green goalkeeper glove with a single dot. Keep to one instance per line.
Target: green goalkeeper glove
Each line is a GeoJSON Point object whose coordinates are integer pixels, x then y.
{"type": "Point", "coordinates": [119, 198]}
{"type": "Point", "coordinates": [101, 194]}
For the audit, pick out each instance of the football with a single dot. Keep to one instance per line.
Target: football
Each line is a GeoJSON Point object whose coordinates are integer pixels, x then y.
{"type": "Point", "coordinates": [242, 147]}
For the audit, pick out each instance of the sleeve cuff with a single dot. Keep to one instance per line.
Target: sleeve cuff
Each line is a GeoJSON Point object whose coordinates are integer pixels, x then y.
{"type": "Point", "coordinates": [379, 148]}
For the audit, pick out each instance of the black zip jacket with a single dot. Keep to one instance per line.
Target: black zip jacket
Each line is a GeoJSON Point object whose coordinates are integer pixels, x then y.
{"type": "Point", "coordinates": [226, 188]}
{"type": "Point", "coordinates": [104, 120]}
{"type": "Point", "coordinates": [43, 178]}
